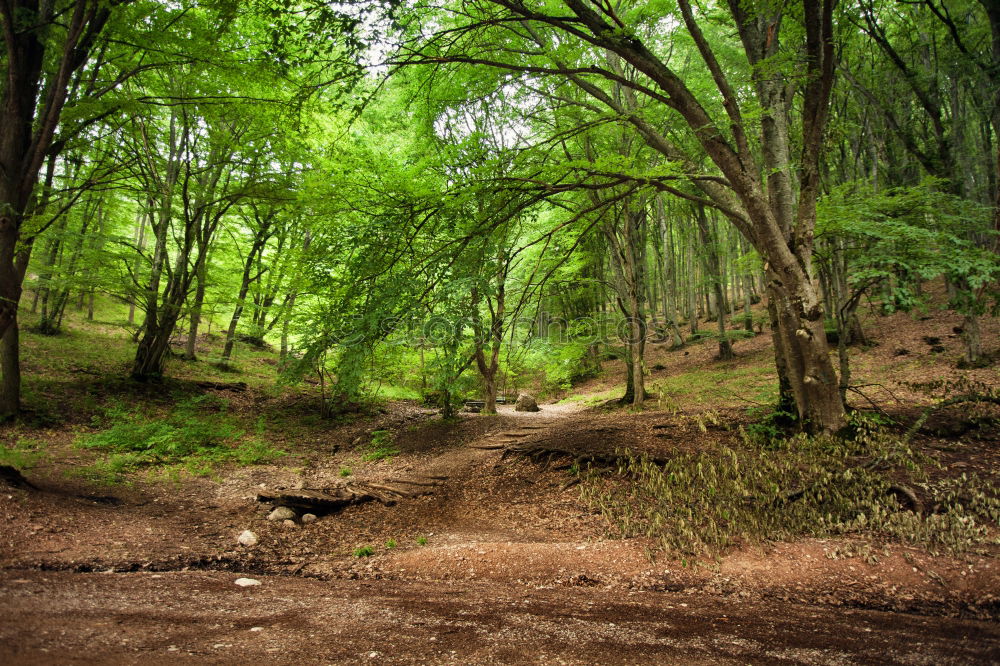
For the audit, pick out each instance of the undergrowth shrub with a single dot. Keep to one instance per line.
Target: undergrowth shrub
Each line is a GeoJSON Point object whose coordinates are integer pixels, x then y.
{"type": "Point", "coordinates": [699, 504]}
{"type": "Point", "coordinates": [191, 435]}
{"type": "Point", "coordinates": [380, 447]}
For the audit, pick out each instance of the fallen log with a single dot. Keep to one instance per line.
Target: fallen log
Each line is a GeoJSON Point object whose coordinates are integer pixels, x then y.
{"type": "Point", "coordinates": [331, 500]}
{"type": "Point", "coordinates": [326, 500]}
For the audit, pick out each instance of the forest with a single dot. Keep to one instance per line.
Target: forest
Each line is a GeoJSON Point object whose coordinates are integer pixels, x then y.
{"type": "Point", "coordinates": [274, 273]}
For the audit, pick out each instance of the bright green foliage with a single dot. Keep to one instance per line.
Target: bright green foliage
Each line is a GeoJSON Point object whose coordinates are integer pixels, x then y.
{"type": "Point", "coordinates": [363, 551]}
{"type": "Point", "coordinates": [557, 365]}
{"type": "Point", "coordinates": [897, 238]}
{"type": "Point", "coordinates": [381, 447]}
{"type": "Point", "coordinates": [187, 436]}
{"type": "Point", "coordinates": [23, 455]}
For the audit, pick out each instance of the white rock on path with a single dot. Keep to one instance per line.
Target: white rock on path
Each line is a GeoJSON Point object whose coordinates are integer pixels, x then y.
{"type": "Point", "coordinates": [308, 518]}
{"type": "Point", "coordinates": [247, 538]}
{"type": "Point", "coordinates": [281, 513]}
{"type": "Point", "coordinates": [247, 582]}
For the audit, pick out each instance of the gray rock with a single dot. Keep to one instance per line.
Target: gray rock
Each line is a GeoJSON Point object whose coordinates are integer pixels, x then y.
{"type": "Point", "coordinates": [525, 403]}
{"type": "Point", "coordinates": [289, 523]}
{"type": "Point", "coordinates": [281, 513]}
{"type": "Point", "coordinates": [308, 518]}
{"type": "Point", "coordinates": [247, 538]}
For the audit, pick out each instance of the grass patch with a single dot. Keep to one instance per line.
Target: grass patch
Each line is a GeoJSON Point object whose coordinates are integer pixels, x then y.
{"type": "Point", "coordinates": [364, 551]}
{"type": "Point", "coordinates": [23, 455]}
{"type": "Point", "coordinates": [392, 392]}
{"type": "Point", "coordinates": [698, 505]}
{"type": "Point", "coordinates": [720, 386]}
{"type": "Point", "coordinates": [591, 399]}
{"type": "Point", "coordinates": [188, 437]}
{"type": "Point", "coordinates": [381, 447]}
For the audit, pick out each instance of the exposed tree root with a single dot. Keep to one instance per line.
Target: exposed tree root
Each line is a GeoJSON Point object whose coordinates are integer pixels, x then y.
{"type": "Point", "coordinates": [548, 454]}
{"type": "Point", "coordinates": [12, 477]}
{"type": "Point", "coordinates": [569, 484]}
{"type": "Point", "coordinates": [430, 483]}
{"type": "Point", "coordinates": [957, 400]}
{"type": "Point", "coordinates": [906, 498]}
{"type": "Point", "coordinates": [236, 387]}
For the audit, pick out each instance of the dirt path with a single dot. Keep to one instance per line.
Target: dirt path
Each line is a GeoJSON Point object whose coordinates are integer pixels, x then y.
{"type": "Point", "coordinates": [496, 563]}
{"type": "Point", "coordinates": [202, 617]}
{"type": "Point", "coordinates": [458, 463]}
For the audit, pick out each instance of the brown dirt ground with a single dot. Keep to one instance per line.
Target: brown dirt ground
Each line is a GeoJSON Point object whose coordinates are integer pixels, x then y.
{"type": "Point", "coordinates": [499, 564]}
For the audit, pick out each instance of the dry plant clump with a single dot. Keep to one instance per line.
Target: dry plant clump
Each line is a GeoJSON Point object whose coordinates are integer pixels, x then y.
{"type": "Point", "coordinates": [872, 485]}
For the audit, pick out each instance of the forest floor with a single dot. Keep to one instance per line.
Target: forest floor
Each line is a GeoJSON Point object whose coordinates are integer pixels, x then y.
{"type": "Point", "coordinates": [494, 558]}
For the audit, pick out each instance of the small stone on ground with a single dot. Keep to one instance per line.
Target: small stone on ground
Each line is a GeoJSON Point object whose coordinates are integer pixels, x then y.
{"type": "Point", "coordinates": [247, 538]}
{"type": "Point", "coordinates": [281, 513]}
{"type": "Point", "coordinates": [247, 582]}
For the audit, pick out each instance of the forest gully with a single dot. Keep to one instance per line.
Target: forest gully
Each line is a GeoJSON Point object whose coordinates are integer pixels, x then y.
{"type": "Point", "coordinates": [499, 331]}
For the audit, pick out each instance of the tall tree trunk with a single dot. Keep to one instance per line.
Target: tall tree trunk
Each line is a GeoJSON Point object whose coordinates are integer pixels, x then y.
{"type": "Point", "coordinates": [151, 353]}
{"type": "Point", "coordinates": [637, 354]}
{"type": "Point", "coordinates": [51, 322]}
{"type": "Point", "coordinates": [713, 268]}
{"type": "Point", "coordinates": [10, 382]}
{"type": "Point", "coordinates": [10, 348]}
{"type": "Point", "coordinates": [668, 274]}
{"type": "Point", "coordinates": [190, 349]}
{"type": "Point", "coordinates": [973, 339]}
{"type": "Point", "coordinates": [255, 250]}
{"type": "Point", "coordinates": [29, 114]}
{"type": "Point", "coordinates": [747, 304]}
{"type": "Point", "coordinates": [149, 361]}
{"type": "Point", "coordinates": [286, 320]}
{"type": "Point", "coordinates": [140, 243]}
{"type": "Point", "coordinates": [692, 291]}
{"type": "Point", "coordinates": [49, 297]}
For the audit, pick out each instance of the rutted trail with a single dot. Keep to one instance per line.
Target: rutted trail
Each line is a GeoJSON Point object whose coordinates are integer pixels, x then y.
{"type": "Point", "coordinates": [481, 554]}
{"type": "Point", "coordinates": [419, 478]}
